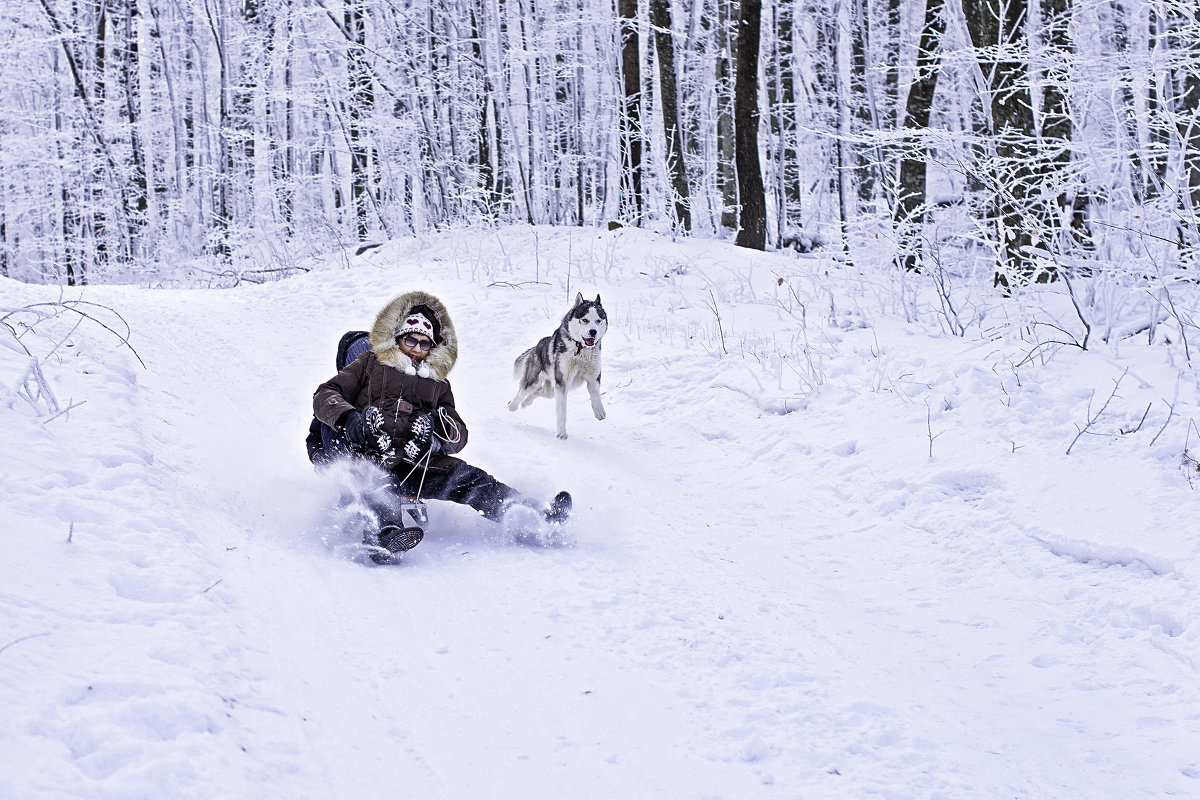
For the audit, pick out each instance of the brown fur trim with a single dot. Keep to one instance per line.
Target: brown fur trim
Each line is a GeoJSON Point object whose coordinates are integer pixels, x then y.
{"type": "Point", "coordinates": [383, 335]}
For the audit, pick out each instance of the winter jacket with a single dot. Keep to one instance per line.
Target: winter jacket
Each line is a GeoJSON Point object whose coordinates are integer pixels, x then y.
{"type": "Point", "coordinates": [386, 378]}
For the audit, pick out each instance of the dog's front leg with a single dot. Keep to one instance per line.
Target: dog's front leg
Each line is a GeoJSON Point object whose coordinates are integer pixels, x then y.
{"type": "Point", "coordinates": [515, 403]}
{"type": "Point", "coordinates": [593, 388]}
{"type": "Point", "coordinates": [560, 409]}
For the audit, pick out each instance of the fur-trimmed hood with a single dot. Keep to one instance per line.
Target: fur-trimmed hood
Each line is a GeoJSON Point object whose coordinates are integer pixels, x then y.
{"type": "Point", "coordinates": [383, 336]}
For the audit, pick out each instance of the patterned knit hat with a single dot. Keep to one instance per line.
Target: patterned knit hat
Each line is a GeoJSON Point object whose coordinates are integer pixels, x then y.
{"type": "Point", "coordinates": [416, 322]}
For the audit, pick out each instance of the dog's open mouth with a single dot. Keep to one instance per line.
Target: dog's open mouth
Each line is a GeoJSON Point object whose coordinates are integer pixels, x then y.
{"type": "Point", "coordinates": [589, 342]}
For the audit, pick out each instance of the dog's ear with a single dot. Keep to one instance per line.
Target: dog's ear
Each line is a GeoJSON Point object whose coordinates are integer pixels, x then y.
{"type": "Point", "coordinates": [579, 298]}
{"type": "Point", "coordinates": [598, 300]}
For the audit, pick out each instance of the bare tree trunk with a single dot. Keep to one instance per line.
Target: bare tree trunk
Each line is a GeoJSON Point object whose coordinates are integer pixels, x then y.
{"type": "Point", "coordinates": [909, 216]}
{"type": "Point", "coordinates": [358, 104]}
{"type": "Point", "coordinates": [195, 94]}
{"type": "Point", "coordinates": [69, 223]}
{"type": "Point", "coordinates": [580, 111]}
{"type": "Point", "coordinates": [632, 200]}
{"type": "Point", "coordinates": [824, 87]}
{"type": "Point", "coordinates": [531, 143]}
{"type": "Point", "coordinates": [1056, 116]}
{"type": "Point", "coordinates": [660, 18]}
{"type": "Point", "coordinates": [485, 163]}
{"type": "Point", "coordinates": [866, 164]}
{"type": "Point", "coordinates": [892, 62]}
{"type": "Point", "coordinates": [132, 112]}
{"type": "Point", "coordinates": [997, 29]}
{"type": "Point", "coordinates": [5, 189]}
{"type": "Point", "coordinates": [95, 213]}
{"type": "Point", "coordinates": [284, 160]}
{"type": "Point", "coordinates": [752, 221]}
{"type": "Point", "coordinates": [1187, 117]}
{"type": "Point", "coordinates": [4, 247]}
{"type": "Point", "coordinates": [505, 116]}
{"type": "Point", "coordinates": [178, 126]}
{"type": "Point", "coordinates": [1158, 117]}
{"type": "Point", "coordinates": [726, 147]}
{"type": "Point", "coordinates": [223, 172]}
{"type": "Point", "coordinates": [782, 94]}
{"type": "Point", "coordinates": [843, 77]}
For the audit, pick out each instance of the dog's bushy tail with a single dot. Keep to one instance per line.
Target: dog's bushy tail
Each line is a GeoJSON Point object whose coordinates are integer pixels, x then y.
{"type": "Point", "coordinates": [519, 363]}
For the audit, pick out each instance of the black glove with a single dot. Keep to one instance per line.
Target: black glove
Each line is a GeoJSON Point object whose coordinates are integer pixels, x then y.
{"type": "Point", "coordinates": [364, 431]}
{"type": "Point", "coordinates": [354, 428]}
{"type": "Point", "coordinates": [422, 434]}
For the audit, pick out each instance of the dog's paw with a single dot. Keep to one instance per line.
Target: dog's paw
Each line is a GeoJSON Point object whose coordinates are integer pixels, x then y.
{"type": "Point", "coordinates": [599, 412]}
{"type": "Point", "coordinates": [514, 405]}
{"type": "Point", "coordinates": [562, 434]}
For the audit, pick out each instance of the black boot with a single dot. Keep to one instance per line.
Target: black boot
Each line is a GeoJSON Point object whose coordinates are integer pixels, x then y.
{"type": "Point", "coordinates": [559, 509]}
{"type": "Point", "coordinates": [398, 540]}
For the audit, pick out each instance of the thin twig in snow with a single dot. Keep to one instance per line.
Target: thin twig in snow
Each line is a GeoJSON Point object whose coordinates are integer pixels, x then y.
{"type": "Point", "coordinates": [1092, 419]}
{"type": "Point", "coordinates": [64, 411]}
{"type": "Point", "coordinates": [23, 639]}
{"type": "Point", "coordinates": [717, 314]}
{"type": "Point", "coordinates": [1140, 422]}
{"type": "Point", "coordinates": [74, 306]}
{"type": "Point", "coordinates": [929, 426]}
{"type": "Point", "coordinates": [1078, 311]}
{"type": "Point", "coordinates": [1170, 412]}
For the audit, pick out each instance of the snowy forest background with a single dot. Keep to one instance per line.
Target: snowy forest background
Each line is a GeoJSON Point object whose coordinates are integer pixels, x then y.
{"type": "Point", "coordinates": [239, 137]}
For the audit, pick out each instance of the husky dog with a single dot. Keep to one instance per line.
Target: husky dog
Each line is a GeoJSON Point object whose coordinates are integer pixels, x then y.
{"type": "Point", "coordinates": [568, 357]}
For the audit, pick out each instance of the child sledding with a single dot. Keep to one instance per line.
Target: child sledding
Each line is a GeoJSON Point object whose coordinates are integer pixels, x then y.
{"type": "Point", "coordinates": [391, 403]}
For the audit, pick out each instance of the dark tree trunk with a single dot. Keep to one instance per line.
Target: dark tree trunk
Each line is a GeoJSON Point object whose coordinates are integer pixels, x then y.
{"type": "Point", "coordinates": [660, 18]}
{"type": "Point", "coordinates": [3, 241]}
{"type": "Point", "coordinates": [1158, 123]}
{"type": "Point", "coordinates": [726, 151]}
{"type": "Point", "coordinates": [996, 28]}
{"type": "Point", "coordinates": [1187, 120]}
{"type": "Point", "coordinates": [130, 78]}
{"type": "Point", "coordinates": [69, 224]}
{"type": "Point", "coordinates": [95, 213]}
{"type": "Point", "coordinates": [782, 93]}
{"type": "Point", "coordinates": [531, 176]}
{"type": "Point", "coordinates": [483, 156]}
{"type": "Point", "coordinates": [224, 164]}
{"type": "Point", "coordinates": [580, 112]}
{"type": "Point", "coordinates": [892, 61]}
{"type": "Point", "coordinates": [909, 216]}
{"type": "Point", "coordinates": [752, 221]}
{"type": "Point", "coordinates": [359, 103]}
{"type": "Point", "coordinates": [1056, 116]}
{"type": "Point", "coordinates": [631, 120]}
{"type": "Point", "coordinates": [285, 152]}
{"type": "Point", "coordinates": [860, 96]}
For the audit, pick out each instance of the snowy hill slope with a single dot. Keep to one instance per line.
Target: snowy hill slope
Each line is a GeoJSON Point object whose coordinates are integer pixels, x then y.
{"type": "Point", "coordinates": [820, 548]}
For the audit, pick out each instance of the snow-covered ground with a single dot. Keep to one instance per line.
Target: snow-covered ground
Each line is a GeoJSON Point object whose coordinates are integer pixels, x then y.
{"type": "Point", "coordinates": [821, 547]}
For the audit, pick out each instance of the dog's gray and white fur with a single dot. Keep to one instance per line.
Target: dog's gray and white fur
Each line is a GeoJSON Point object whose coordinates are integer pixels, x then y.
{"type": "Point", "coordinates": [566, 358]}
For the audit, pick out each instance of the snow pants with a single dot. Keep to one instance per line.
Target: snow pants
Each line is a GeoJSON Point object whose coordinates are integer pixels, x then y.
{"type": "Point", "coordinates": [463, 483]}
